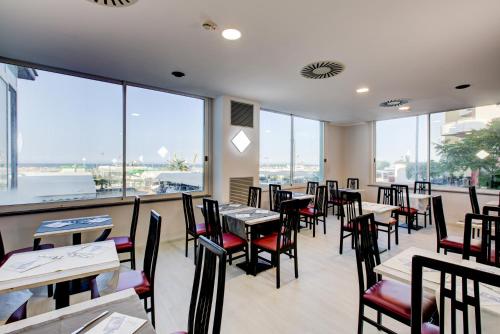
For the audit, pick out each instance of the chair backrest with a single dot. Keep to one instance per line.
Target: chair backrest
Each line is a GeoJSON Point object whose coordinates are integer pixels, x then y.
{"type": "Point", "coordinates": [2, 248]}
{"type": "Point", "coordinates": [352, 183]}
{"type": "Point", "coordinates": [280, 196]}
{"type": "Point", "coordinates": [273, 188]}
{"type": "Point", "coordinates": [440, 222]}
{"type": "Point", "coordinates": [189, 220]}
{"type": "Point", "coordinates": [289, 221]}
{"type": "Point", "coordinates": [422, 187]}
{"type": "Point", "coordinates": [386, 195]}
{"type": "Point", "coordinates": [333, 189]}
{"type": "Point", "coordinates": [351, 207]}
{"type": "Point", "coordinates": [365, 243]}
{"type": "Point", "coordinates": [311, 187]}
{"type": "Point", "coordinates": [135, 218]}
{"type": "Point", "coordinates": [211, 263]}
{"type": "Point", "coordinates": [212, 220]}
{"type": "Point", "coordinates": [473, 200]}
{"type": "Point", "coordinates": [402, 196]}
{"type": "Point", "coordinates": [320, 199]}
{"type": "Point", "coordinates": [254, 197]}
{"type": "Point", "coordinates": [490, 246]}
{"type": "Point", "coordinates": [152, 245]}
{"type": "Point", "coordinates": [461, 298]}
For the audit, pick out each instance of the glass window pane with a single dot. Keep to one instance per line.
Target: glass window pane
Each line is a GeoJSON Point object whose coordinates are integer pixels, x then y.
{"type": "Point", "coordinates": [275, 143]}
{"type": "Point", "coordinates": [401, 149]}
{"type": "Point", "coordinates": [64, 137]}
{"type": "Point", "coordinates": [4, 149]}
{"type": "Point", "coordinates": [465, 147]}
{"type": "Point", "coordinates": [308, 156]}
{"type": "Point", "coordinates": [165, 142]}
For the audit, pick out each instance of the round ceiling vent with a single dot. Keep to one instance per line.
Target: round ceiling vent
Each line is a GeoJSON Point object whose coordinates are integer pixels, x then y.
{"type": "Point", "coordinates": [322, 69]}
{"type": "Point", "coordinates": [394, 103]}
{"type": "Point", "coordinates": [114, 3]}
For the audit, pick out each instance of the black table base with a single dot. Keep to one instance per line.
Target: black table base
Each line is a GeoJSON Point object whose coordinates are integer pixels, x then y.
{"type": "Point", "coordinates": [412, 226]}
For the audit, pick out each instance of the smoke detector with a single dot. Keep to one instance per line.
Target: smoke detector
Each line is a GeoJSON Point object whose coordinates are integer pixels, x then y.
{"type": "Point", "coordinates": [114, 3]}
{"type": "Point", "coordinates": [209, 25]}
{"type": "Point", "coordinates": [322, 69]}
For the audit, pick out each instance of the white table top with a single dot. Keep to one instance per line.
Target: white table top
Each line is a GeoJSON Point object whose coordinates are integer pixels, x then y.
{"type": "Point", "coordinates": [350, 190]}
{"type": "Point", "coordinates": [73, 264]}
{"type": "Point", "coordinates": [75, 226]}
{"type": "Point", "coordinates": [70, 318]}
{"type": "Point", "coordinates": [419, 196]}
{"type": "Point", "coordinates": [302, 196]}
{"type": "Point", "coordinates": [271, 217]}
{"type": "Point", "coordinates": [369, 207]}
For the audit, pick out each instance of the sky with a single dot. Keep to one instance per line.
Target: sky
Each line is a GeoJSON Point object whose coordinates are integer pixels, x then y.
{"type": "Point", "coordinates": [65, 119]}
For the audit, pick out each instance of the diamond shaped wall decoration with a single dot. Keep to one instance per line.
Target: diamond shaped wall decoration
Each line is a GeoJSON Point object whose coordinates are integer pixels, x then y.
{"type": "Point", "coordinates": [241, 141]}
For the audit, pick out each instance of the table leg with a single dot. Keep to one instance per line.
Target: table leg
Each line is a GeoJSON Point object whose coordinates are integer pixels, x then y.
{"type": "Point", "coordinates": [77, 238]}
{"type": "Point", "coordinates": [36, 243]}
{"type": "Point", "coordinates": [261, 264]}
{"type": "Point", "coordinates": [62, 294]}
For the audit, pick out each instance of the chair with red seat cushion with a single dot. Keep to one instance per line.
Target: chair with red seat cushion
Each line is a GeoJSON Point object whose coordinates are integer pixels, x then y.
{"type": "Point", "coordinates": [273, 188]}
{"type": "Point", "coordinates": [313, 215]}
{"type": "Point", "coordinates": [211, 263]}
{"type": "Point", "coordinates": [488, 251]}
{"type": "Point", "coordinates": [229, 241]}
{"type": "Point", "coordinates": [454, 244]}
{"type": "Point", "coordinates": [254, 197]}
{"type": "Point", "coordinates": [352, 183]}
{"type": "Point", "coordinates": [284, 241]}
{"type": "Point", "coordinates": [348, 211]}
{"type": "Point", "coordinates": [333, 196]}
{"type": "Point", "coordinates": [192, 229]}
{"type": "Point", "coordinates": [424, 187]}
{"type": "Point", "coordinates": [386, 297]}
{"type": "Point", "coordinates": [142, 281]}
{"type": "Point", "coordinates": [460, 301]}
{"type": "Point", "coordinates": [387, 195]}
{"type": "Point", "coordinates": [402, 200]}
{"type": "Point", "coordinates": [126, 244]}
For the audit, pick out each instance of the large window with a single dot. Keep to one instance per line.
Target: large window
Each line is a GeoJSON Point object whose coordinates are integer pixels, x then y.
{"type": "Point", "coordinates": [278, 141]}
{"type": "Point", "coordinates": [165, 152]}
{"type": "Point", "coordinates": [62, 138]}
{"type": "Point", "coordinates": [401, 150]}
{"type": "Point", "coordinates": [464, 148]}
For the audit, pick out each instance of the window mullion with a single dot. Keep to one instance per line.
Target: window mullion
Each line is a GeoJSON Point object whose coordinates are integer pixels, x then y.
{"type": "Point", "coordinates": [292, 150]}
{"type": "Point", "coordinates": [124, 140]}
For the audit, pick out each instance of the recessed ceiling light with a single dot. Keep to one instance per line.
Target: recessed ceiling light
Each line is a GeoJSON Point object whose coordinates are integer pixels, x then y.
{"type": "Point", "coordinates": [178, 74]}
{"type": "Point", "coordinates": [462, 86]}
{"type": "Point", "coordinates": [231, 34]}
{"type": "Point", "coordinates": [362, 90]}
{"type": "Point", "coordinates": [404, 108]}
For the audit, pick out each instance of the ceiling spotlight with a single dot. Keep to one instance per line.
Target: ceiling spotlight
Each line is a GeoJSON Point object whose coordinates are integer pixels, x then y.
{"type": "Point", "coordinates": [231, 34]}
{"type": "Point", "coordinates": [178, 74]}
{"type": "Point", "coordinates": [404, 108]}
{"type": "Point", "coordinates": [362, 90]}
{"type": "Point", "coordinates": [462, 86]}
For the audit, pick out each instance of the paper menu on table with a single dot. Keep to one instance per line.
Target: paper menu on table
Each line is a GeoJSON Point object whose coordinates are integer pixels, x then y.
{"type": "Point", "coordinates": [88, 251]}
{"type": "Point", "coordinates": [261, 211]}
{"type": "Point", "coordinates": [242, 215]}
{"type": "Point", "coordinates": [234, 205]}
{"type": "Point", "coordinates": [97, 220]}
{"type": "Point", "coordinates": [117, 323]}
{"type": "Point", "coordinates": [58, 224]}
{"type": "Point", "coordinates": [26, 264]}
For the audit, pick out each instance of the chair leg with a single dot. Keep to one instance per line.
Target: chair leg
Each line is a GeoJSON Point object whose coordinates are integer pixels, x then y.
{"type": "Point", "coordinates": [247, 262]}
{"type": "Point", "coordinates": [341, 239]}
{"type": "Point", "coordinates": [296, 262]}
{"type": "Point", "coordinates": [50, 290]}
{"type": "Point", "coordinates": [314, 222]}
{"type": "Point", "coordinates": [186, 245]}
{"type": "Point", "coordinates": [132, 258]}
{"type": "Point", "coordinates": [277, 270]}
{"type": "Point", "coordinates": [153, 310]}
{"type": "Point", "coordinates": [254, 253]}
{"type": "Point", "coordinates": [389, 230]}
{"type": "Point", "coordinates": [230, 259]}
{"type": "Point", "coordinates": [408, 223]}
{"type": "Point", "coordinates": [195, 250]}
{"type": "Point", "coordinates": [379, 318]}
{"type": "Point", "coordinates": [397, 232]}
{"type": "Point", "coordinates": [324, 225]}
{"type": "Point", "coordinates": [360, 318]}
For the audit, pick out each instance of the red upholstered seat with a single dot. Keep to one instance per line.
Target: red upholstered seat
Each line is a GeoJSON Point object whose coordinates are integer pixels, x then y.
{"type": "Point", "coordinates": [428, 328]}
{"type": "Point", "coordinates": [457, 243]}
{"type": "Point", "coordinates": [122, 244]}
{"type": "Point", "coordinates": [395, 297]}
{"type": "Point", "coordinates": [338, 201]}
{"type": "Point", "coordinates": [268, 242]}
{"type": "Point", "coordinates": [134, 279]}
{"type": "Point", "coordinates": [232, 241]}
{"type": "Point", "coordinates": [407, 211]}
{"type": "Point", "coordinates": [24, 250]}
{"type": "Point", "coordinates": [310, 212]}
{"type": "Point", "coordinates": [201, 229]}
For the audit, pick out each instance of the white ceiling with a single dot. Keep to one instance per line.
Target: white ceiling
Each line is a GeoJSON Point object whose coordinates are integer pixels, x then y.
{"type": "Point", "coordinates": [399, 48]}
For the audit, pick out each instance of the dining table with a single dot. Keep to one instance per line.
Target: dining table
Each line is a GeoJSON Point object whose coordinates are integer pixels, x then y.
{"type": "Point", "coordinates": [398, 268]}
{"type": "Point", "coordinates": [74, 227]}
{"type": "Point", "coordinates": [59, 266]}
{"type": "Point", "coordinates": [71, 318]}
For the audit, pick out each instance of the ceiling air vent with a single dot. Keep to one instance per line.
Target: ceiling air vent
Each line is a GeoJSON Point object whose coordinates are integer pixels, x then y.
{"type": "Point", "coordinates": [394, 103]}
{"type": "Point", "coordinates": [322, 69]}
{"type": "Point", "coordinates": [114, 3]}
{"type": "Point", "coordinates": [241, 114]}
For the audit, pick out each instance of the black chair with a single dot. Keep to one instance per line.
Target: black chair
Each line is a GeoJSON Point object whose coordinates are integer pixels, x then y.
{"type": "Point", "coordinates": [490, 245]}
{"type": "Point", "coordinates": [18, 314]}
{"type": "Point", "coordinates": [192, 229]}
{"type": "Point", "coordinates": [317, 213]}
{"type": "Point", "coordinates": [473, 200]}
{"type": "Point", "coordinates": [387, 195]}
{"type": "Point", "coordinates": [212, 263]}
{"type": "Point", "coordinates": [273, 188]}
{"type": "Point", "coordinates": [283, 242]}
{"type": "Point", "coordinates": [227, 240]}
{"type": "Point", "coordinates": [254, 197]}
{"type": "Point", "coordinates": [449, 243]}
{"type": "Point", "coordinates": [424, 187]}
{"type": "Point", "coordinates": [403, 201]}
{"type": "Point", "coordinates": [280, 196]}
{"type": "Point", "coordinates": [387, 297]}
{"type": "Point", "coordinates": [142, 281]}
{"type": "Point", "coordinates": [352, 183]}
{"type": "Point", "coordinates": [126, 244]}
{"type": "Point", "coordinates": [469, 298]}
{"type": "Point", "coordinates": [311, 187]}
{"type": "Point", "coordinates": [350, 210]}
{"type": "Point", "coordinates": [334, 199]}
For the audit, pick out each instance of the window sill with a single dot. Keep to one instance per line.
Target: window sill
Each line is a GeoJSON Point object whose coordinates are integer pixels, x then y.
{"type": "Point", "coordinates": [486, 192]}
